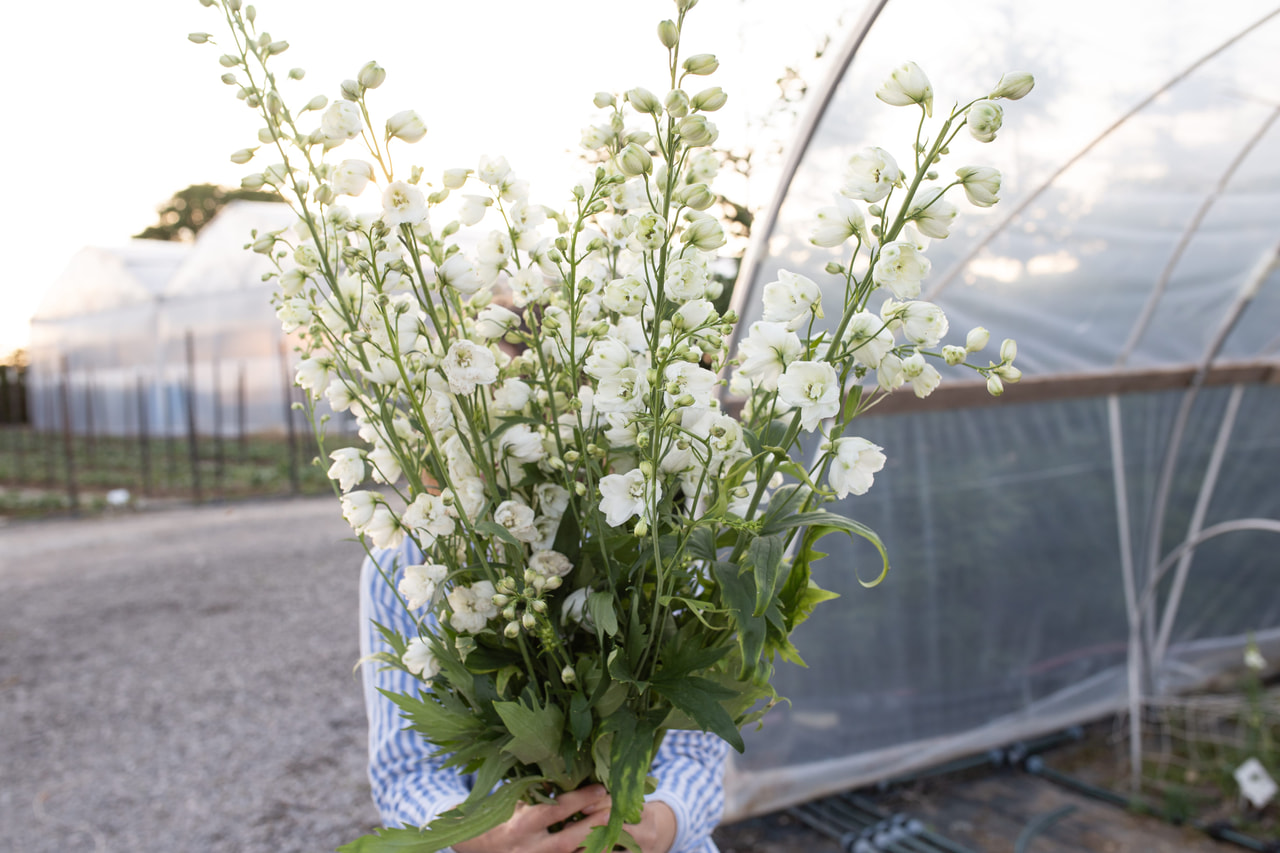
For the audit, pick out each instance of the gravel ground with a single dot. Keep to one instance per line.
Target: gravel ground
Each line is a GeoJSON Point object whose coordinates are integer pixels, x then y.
{"type": "Point", "coordinates": [181, 681]}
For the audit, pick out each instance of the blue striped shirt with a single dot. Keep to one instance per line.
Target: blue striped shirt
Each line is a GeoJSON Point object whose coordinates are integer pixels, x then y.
{"type": "Point", "coordinates": [410, 787]}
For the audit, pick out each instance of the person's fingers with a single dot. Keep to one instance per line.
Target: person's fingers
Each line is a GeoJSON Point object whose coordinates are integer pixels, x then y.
{"type": "Point", "coordinates": [586, 800]}
{"type": "Point", "coordinates": [574, 836]}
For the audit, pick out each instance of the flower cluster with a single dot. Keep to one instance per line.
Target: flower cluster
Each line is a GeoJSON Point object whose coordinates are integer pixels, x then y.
{"type": "Point", "coordinates": [542, 400]}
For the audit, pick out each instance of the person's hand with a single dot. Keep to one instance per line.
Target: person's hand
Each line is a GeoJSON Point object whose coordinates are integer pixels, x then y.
{"type": "Point", "coordinates": [528, 829]}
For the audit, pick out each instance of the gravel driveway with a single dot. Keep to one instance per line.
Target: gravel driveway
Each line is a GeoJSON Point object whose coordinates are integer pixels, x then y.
{"type": "Point", "coordinates": [181, 681]}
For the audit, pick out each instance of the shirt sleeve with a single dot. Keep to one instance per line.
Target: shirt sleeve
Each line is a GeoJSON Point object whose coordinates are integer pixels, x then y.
{"type": "Point", "coordinates": [409, 786]}
{"type": "Point", "coordinates": [689, 768]}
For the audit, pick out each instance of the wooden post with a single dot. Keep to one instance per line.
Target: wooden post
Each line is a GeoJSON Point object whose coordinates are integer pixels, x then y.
{"type": "Point", "coordinates": [294, 487]}
{"type": "Point", "coordinates": [144, 448]}
{"type": "Point", "coordinates": [73, 494]}
{"type": "Point", "coordinates": [219, 456]}
{"type": "Point", "coordinates": [193, 450]}
{"type": "Point", "coordinates": [242, 415]}
{"type": "Point", "coordinates": [50, 409]}
{"type": "Point", "coordinates": [90, 445]}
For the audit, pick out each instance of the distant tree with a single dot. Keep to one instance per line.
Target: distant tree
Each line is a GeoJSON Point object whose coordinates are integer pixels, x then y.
{"type": "Point", "coordinates": [182, 216]}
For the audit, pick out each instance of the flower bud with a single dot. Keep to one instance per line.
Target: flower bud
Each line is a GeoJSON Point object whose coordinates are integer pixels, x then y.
{"type": "Point", "coordinates": [710, 100]}
{"type": "Point", "coordinates": [668, 34]}
{"type": "Point", "coordinates": [297, 73]}
{"type": "Point", "coordinates": [509, 612]}
{"type": "Point", "coordinates": [277, 47]}
{"type": "Point", "coordinates": [351, 90]}
{"type": "Point", "coordinates": [371, 75]}
{"type": "Point", "coordinates": [701, 64]}
{"type": "Point", "coordinates": [704, 233]}
{"type": "Point", "coordinates": [512, 630]}
{"type": "Point", "coordinates": [253, 182]}
{"type": "Point", "coordinates": [554, 582]}
{"type": "Point", "coordinates": [643, 101]}
{"type": "Point", "coordinates": [229, 79]}
{"type": "Point", "coordinates": [529, 620]}
{"type": "Point", "coordinates": [538, 605]}
{"type": "Point", "coordinates": [984, 119]}
{"type": "Point", "coordinates": [1008, 350]}
{"type": "Point", "coordinates": [696, 131]}
{"type": "Point", "coordinates": [568, 676]}
{"type": "Point", "coordinates": [406, 125]}
{"type": "Point", "coordinates": [228, 61]}
{"type": "Point", "coordinates": [244, 155]}
{"type": "Point", "coordinates": [646, 468]}
{"type": "Point", "coordinates": [500, 600]}
{"type": "Point", "coordinates": [641, 528]}
{"type": "Point", "coordinates": [198, 38]}
{"type": "Point", "coordinates": [676, 103]}
{"type": "Point", "coordinates": [695, 196]}
{"type": "Point", "coordinates": [1008, 372]}
{"type": "Point", "coordinates": [954, 355]}
{"type": "Point", "coordinates": [686, 5]}
{"type": "Point", "coordinates": [977, 339]}
{"type": "Point", "coordinates": [634, 160]}
{"type": "Point", "coordinates": [834, 268]}
{"type": "Point", "coordinates": [994, 386]}
{"type": "Point", "coordinates": [454, 179]}
{"type": "Point", "coordinates": [1013, 85]}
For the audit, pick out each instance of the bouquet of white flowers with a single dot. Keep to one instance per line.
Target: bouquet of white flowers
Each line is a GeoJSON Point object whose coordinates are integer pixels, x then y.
{"type": "Point", "coordinates": [611, 550]}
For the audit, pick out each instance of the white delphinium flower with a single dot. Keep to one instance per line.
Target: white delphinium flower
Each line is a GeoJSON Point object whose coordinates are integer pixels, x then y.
{"type": "Point", "coordinates": [837, 224]}
{"type": "Point", "coordinates": [692, 380]}
{"type": "Point", "coordinates": [493, 170]}
{"type": "Point", "coordinates": [868, 338]}
{"type": "Point", "coordinates": [889, 373]}
{"type": "Point", "coordinates": [293, 282]}
{"type": "Point", "coordinates": [812, 387]}
{"type": "Point", "coordinates": [340, 396]}
{"type": "Point", "coordinates": [469, 496]}
{"type": "Point", "coordinates": [901, 267]}
{"type": "Point", "coordinates": [341, 121]}
{"type": "Point", "coordinates": [358, 507]}
{"type": "Point", "coordinates": [608, 356]}
{"type": "Point", "coordinates": [494, 322]}
{"type": "Point", "coordinates": [406, 125]}
{"type": "Point", "coordinates": [931, 213]}
{"type": "Point", "coordinates": [984, 120]}
{"type": "Point", "coordinates": [574, 609]}
{"type": "Point", "coordinates": [924, 377]}
{"type": "Point", "coordinates": [495, 249]}
{"type": "Point", "coordinates": [871, 173]}
{"type": "Point", "coordinates": [553, 500]}
{"type": "Point", "coordinates": [386, 468]}
{"type": "Point", "coordinates": [625, 495]}
{"type": "Point", "coordinates": [293, 314]}
{"type": "Point", "coordinates": [791, 300]}
{"type": "Point", "coordinates": [527, 286]}
{"type": "Point", "coordinates": [383, 528]}
{"type": "Point", "coordinates": [315, 372]}
{"type": "Point", "coordinates": [517, 517]}
{"type": "Point", "coordinates": [420, 659]}
{"type": "Point", "coordinates": [403, 204]}
{"type": "Point", "coordinates": [473, 208]}
{"type": "Point", "coordinates": [351, 177]}
{"type": "Point", "coordinates": [631, 331]}
{"type": "Point", "coordinates": [455, 178]}
{"type": "Point", "coordinates": [627, 295]}
{"type": "Point", "coordinates": [627, 390]}
{"type": "Point", "coordinates": [347, 468]}
{"type": "Point", "coordinates": [766, 351]}
{"type": "Point", "coordinates": [686, 280]}
{"type": "Point", "coordinates": [511, 396]}
{"type": "Point", "coordinates": [703, 233]}
{"type": "Point", "coordinates": [420, 583]}
{"type": "Point", "coordinates": [981, 184]}
{"type": "Point", "coordinates": [550, 563]}
{"type": "Point", "coordinates": [381, 370]}
{"type": "Point", "coordinates": [428, 518]}
{"type": "Point", "coordinates": [1013, 85]}
{"type": "Point", "coordinates": [854, 463]}
{"type": "Point", "coordinates": [907, 84]}
{"type": "Point", "coordinates": [1253, 658]}
{"type": "Point", "coordinates": [467, 365]}
{"type": "Point", "coordinates": [650, 230]}
{"type": "Point", "coordinates": [520, 445]}
{"type": "Point", "coordinates": [471, 607]}
{"type": "Point", "coordinates": [459, 273]}
{"type": "Point", "coordinates": [922, 323]}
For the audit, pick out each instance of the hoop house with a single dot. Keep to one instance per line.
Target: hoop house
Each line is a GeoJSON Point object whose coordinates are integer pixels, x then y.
{"type": "Point", "coordinates": [121, 320]}
{"type": "Point", "coordinates": [1106, 530]}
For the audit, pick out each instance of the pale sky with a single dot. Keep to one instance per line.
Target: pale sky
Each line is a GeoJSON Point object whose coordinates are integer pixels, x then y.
{"type": "Point", "coordinates": [113, 109]}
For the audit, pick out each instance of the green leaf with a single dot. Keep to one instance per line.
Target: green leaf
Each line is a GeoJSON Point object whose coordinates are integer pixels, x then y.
{"type": "Point", "coordinates": [460, 824]}
{"type": "Point", "coordinates": [535, 732]}
{"type": "Point", "coordinates": [428, 715]}
{"type": "Point", "coordinates": [737, 589]}
{"type": "Point", "coordinates": [600, 609]}
{"type": "Point", "coordinates": [700, 699]}
{"type": "Point", "coordinates": [580, 718]}
{"type": "Point", "coordinates": [492, 528]}
{"type": "Point", "coordinates": [764, 555]}
{"type": "Point", "coordinates": [821, 522]}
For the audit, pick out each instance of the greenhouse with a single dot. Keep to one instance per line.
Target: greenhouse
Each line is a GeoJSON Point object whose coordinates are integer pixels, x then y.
{"type": "Point", "coordinates": [126, 331]}
{"type": "Point", "coordinates": [1105, 532]}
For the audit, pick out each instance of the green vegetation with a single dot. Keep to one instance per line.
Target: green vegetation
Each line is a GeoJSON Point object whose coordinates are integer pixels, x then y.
{"type": "Point", "coordinates": [35, 480]}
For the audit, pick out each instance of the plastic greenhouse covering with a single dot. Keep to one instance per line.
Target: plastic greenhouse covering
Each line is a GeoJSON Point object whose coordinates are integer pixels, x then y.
{"type": "Point", "coordinates": [1039, 576]}
{"type": "Point", "coordinates": [153, 319]}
